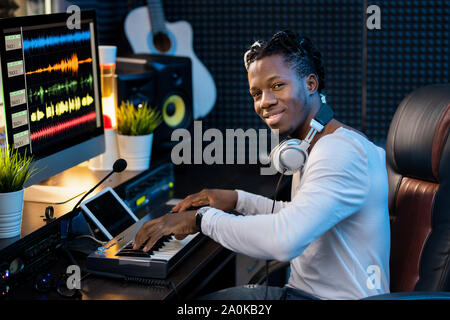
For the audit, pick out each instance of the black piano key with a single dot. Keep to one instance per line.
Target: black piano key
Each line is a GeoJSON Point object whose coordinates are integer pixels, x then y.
{"type": "Point", "coordinates": [131, 251]}
{"type": "Point", "coordinates": [133, 254]}
{"type": "Point", "coordinates": [128, 250]}
{"type": "Point", "coordinates": [159, 244]}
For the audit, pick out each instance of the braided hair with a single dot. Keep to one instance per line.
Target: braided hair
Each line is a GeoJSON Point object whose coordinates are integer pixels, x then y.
{"type": "Point", "coordinates": [299, 52]}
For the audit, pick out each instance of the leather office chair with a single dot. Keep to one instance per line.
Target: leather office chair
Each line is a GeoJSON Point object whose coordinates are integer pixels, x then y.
{"type": "Point", "coordinates": [418, 164]}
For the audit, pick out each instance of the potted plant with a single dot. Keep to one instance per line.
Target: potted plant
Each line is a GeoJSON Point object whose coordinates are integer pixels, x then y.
{"type": "Point", "coordinates": [135, 126]}
{"type": "Point", "coordinates": [15, 170]}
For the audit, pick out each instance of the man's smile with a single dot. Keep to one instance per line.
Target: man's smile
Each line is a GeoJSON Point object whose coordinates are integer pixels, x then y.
{"type": "Point", "coordinates": [273, 117]}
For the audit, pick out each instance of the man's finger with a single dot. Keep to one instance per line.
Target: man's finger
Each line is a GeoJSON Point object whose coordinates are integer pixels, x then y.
{"type": "Point", "coordinates": [200, 202]}
{"type": "Point", "coordinates": [185, 203]}
{"type": "Point", "coordinates": [196, 199]}
{"type": "Point", "coordinates": [138, 237]}
{"type": "Point", "coordinates": [143, 233]}
{"type": "Point", "coordinates": [152, 240]}
{"type": "Point", "coordinates": [180, 236]}
{"type": "Point", "coordinates": [185, 206]}
{"type": "Point", "coordinates": [175, 208]}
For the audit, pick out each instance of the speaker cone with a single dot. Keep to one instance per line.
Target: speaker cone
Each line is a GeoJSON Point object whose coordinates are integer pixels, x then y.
{"type": "Point", "coordinates": [174, 111]}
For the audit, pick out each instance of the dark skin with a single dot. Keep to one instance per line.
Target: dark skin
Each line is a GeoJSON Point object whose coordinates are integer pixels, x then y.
{"type": "Point", "coordinates": [183, 223]}
{"type": "Point", "coordinates": [285, 103]}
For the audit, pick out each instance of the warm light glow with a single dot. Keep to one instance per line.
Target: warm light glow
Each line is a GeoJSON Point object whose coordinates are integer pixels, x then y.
{"type": "Point", "coordinates": [48, 6]}
{"type": "Point", "coordinates": [109, 91]}
{"type": "Point", "coordinates": [2, 121]}
{"type": "Point", "coordinates": [109, 108]}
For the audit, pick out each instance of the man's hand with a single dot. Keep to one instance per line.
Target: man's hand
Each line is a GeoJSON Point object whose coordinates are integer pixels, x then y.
{"type": "Point", "coordinates": [217, 198]}
{"type": "Point", "coordinates": [180, 224]}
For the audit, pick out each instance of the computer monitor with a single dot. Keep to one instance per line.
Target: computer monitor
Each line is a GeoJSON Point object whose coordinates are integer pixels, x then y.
{"type": "Point", "coordinates": [51, 90]}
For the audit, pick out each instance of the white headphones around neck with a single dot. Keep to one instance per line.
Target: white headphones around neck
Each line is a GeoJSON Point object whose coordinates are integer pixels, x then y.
{"type": "Point", "coordinates": [290, 155]}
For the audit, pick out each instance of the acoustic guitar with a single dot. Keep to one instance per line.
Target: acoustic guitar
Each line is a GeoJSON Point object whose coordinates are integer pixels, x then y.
{"type": "Point", "coordinates": [148, 32]}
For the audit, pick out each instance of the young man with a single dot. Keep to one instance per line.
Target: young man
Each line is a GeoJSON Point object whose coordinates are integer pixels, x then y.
{"type": "Point", "coordinates": [335, 230]}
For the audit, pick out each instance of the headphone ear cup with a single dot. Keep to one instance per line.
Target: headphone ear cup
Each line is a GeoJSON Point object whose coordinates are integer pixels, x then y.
{"type": "Point", "coordinates": [275, 157]}
{"type": "Point", "coordinates": [292, 159]}
{"type": "Point", "coordinates": [289, 156]}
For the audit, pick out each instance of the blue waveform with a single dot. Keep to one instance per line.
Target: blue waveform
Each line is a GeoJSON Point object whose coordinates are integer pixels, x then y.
{"type": "Point", "coordinates": [48, 41]}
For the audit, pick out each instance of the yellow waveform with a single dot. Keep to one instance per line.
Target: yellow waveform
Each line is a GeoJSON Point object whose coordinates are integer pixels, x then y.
{"type": "Point", "coordinates": [69, 105]}
{"type": "Point", "coordinates": [37, 116]}
{"type": "Point", "coordinates": [64, 65]}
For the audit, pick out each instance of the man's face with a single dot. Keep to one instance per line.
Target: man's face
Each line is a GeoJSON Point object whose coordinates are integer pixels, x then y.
{"type": "Point", "coordinates": [280, 97]}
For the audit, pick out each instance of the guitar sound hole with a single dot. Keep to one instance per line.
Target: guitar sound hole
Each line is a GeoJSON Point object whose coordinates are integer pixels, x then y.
{"type": "Point", "coordinates": [161, 42]}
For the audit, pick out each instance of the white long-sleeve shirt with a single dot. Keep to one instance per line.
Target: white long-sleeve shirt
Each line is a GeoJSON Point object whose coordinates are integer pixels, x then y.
{"type": "Point", "coordinates": [335, 230]}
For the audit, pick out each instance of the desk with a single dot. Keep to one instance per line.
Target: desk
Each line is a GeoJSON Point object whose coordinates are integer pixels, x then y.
{"type": "Point", "coordinates": [196, 275]}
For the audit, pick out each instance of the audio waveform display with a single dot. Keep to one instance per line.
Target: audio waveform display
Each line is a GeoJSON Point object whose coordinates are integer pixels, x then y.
{"type": "Point", "coordinates": [65, 65]}
{"type": "Point", "coordinates": [48, 41]}
{"type": "Point", "coordinates": [52, 130]}
{"type": "Point", "coordinates": [68, 87]}
{"type": "Point", "coordinates": [62, 107]}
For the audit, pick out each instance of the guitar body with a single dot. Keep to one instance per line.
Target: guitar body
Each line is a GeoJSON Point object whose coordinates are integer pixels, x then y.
{"type": "Point", "coordinates": [139, 33]}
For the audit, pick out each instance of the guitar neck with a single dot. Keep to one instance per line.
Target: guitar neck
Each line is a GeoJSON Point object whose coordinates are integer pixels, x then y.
{"type": "Point", "coordinates": [157, 18]}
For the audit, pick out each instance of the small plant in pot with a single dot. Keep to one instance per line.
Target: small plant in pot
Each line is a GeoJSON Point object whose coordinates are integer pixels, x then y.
{"type": "Point", "coordinates": [15, 170]}
{"type": "Point", "coordinates": [135, 126]}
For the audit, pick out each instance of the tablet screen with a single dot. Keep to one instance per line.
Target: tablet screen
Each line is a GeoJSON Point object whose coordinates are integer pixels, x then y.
{"type": "Point", "coordinates": [110, 213]}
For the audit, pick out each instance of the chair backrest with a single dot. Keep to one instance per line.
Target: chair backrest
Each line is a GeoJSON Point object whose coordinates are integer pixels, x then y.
{"type": "Point", "coordinates": [418, 164]}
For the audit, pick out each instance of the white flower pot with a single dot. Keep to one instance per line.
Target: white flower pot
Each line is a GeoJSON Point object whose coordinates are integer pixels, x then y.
{"type": "Point", "coordinates": [136, 150]}
{"type": "Point", "coordinates": [11, 206]}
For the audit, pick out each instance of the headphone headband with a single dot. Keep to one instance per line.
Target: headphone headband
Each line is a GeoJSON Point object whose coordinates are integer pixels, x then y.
{"type": "Point", "coordinates": [325, 114]}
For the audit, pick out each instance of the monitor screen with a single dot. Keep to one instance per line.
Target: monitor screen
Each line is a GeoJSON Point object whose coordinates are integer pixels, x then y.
{"type": "Point", "coordinates": [50, 84]}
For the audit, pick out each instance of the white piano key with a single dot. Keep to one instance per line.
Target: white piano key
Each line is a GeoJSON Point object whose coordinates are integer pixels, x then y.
{"type": "Point", "coordinates": [171, 248]}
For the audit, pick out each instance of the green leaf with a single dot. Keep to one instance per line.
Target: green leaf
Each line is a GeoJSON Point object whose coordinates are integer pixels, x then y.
{"type": "Point", "coordinates": [137, 121]}
{"type": "Point", "coordinates": [15, 169]}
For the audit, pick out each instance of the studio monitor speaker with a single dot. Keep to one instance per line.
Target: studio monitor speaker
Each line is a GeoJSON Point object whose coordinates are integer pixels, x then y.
{"type": "Point", "coordinates": [165, 82]}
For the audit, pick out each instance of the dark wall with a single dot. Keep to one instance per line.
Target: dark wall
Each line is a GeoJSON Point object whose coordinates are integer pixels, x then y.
{"type": "Point", "coordinates": [110, 17]}
{"type": "Point", "coordinates": [410, 50]}
{"type": "Point", "coordinates": [223, 31]}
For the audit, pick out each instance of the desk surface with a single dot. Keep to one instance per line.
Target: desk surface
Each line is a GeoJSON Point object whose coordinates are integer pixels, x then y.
{"type": "Point", "coordinates": [81, 176]}
{"type": "Point", "coordinates": [188, 179]}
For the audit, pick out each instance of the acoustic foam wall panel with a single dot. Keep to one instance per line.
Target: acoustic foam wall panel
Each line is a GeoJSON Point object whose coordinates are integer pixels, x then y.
{"type": "Point", "coordinates": [409, 51]}
{"type": "Point", "coordinates": [110, 15]}
{"type": "Point", "coordinates": [223, 30]}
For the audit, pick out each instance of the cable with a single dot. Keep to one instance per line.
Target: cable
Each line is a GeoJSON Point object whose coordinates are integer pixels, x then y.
{"type": "Point", "coordinates": [153, 282]}
{"type": "Point", "coordinates": [276, 190]}
{"type": "Point", "coordinates": [70, 256]}
{"type": "Point", "coordinates": [273, 207]}
{"type": "Point", "coordinates": [118, 166]}
{"type": "Point", "coordinates": [92, 238]}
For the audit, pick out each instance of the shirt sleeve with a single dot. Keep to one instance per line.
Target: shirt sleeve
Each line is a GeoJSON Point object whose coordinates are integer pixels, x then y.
{"type": "Point", "coordinates": [250, 203]}
{"type": "Point", "coordinates": [335, 185]}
